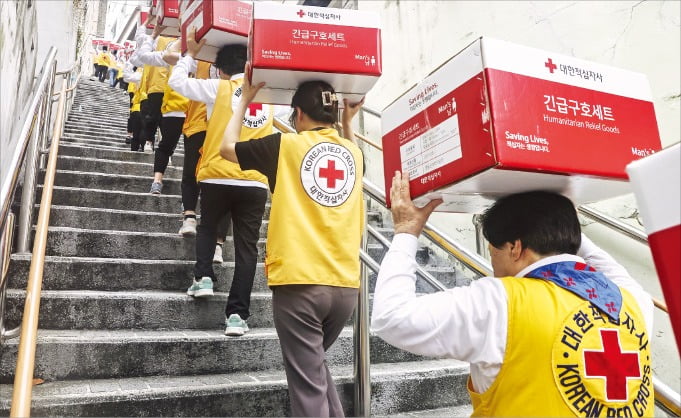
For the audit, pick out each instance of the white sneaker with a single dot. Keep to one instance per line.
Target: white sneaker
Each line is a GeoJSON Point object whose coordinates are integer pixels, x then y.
{"type": "Point", "coordinates": [217, 258]}
{"type": "Point", "coordinates": [149, 148]}
{"type": "Point", "coordinates": [235, 326]}
{"type": "Point", "coordinates": [188, 228]}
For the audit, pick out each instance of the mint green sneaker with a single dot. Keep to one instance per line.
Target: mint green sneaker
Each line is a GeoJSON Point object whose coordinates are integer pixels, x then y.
{"type": "Point", "coordinates": [235, 326]}
{"type": "Point", "coordinates": [201, 288]}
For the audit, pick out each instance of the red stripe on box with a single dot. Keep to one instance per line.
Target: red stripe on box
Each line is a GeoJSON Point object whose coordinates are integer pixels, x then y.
{"type": "Point", "coordinates": [593, 146]}
{"type": "Point", "coordinates": [666, 248]}
{"type": "Point", "coordinates": [306, 46]}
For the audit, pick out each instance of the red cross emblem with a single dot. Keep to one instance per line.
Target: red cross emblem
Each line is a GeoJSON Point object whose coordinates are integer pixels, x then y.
{"type": "Point", "coordinates": [253, 109]}
{"type": "Point", "coordinates": [550, 65]}
{"type": "Point", "coordinates": [301, 13]}
{"type": "Point", "coordinates": [331, 174]}
{"type": "Point", "coordinates": [569, 281]}
{"type": "Point", "coordinates": [592, 293]}
{"type": "Point", "coordinates": [546, 274]}
{"type": "Point", "coordinates": [613, 365]}
{"type": "Point", "coordinates": [582, 266]}
{"type": "Point", "coordinates": [611, 307]}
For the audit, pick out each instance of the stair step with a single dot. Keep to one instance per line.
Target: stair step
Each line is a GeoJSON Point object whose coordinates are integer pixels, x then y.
{"type": "Point", "coordinates": [77, 242]}
{"type": "Point", "coordinates": [395, 388]}
{"type": "Point", "coordinates": [122, 274]}
{"type": "Point", "coordinates": [108, 166]}
{"type": "Point", "coordinates": [85, 309]}
{"type": "Point", "coordinates": [84, 354]}
{"type": "Point", "coordinates": [121, 220]}
{"type": "Point", "coordinates": [75, 149]}
{"type": "Point", "coordinates": [111, 199]}
{"type": "Point", "coordinates": [112, 181]}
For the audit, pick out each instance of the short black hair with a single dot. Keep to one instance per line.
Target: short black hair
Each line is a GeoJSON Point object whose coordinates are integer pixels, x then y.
{"type": "Point", "coordinates": [105, 48]}
{"type": "Point", "coordinates": [545, 222]}
{"type": "Point", "coordinates": [308, 97]}
{"type": "Point", "coordinates": [231, 59]}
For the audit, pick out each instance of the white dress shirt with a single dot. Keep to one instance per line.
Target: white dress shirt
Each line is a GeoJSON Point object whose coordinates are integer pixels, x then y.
{"type": "Point", "coordinates": [466, 323]}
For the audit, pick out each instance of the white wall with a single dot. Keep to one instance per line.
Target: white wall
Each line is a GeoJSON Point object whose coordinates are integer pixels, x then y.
{"type": "Point", "coordinates": [18, 43]}
{"type": "Point", "coordinates": [639, 36]}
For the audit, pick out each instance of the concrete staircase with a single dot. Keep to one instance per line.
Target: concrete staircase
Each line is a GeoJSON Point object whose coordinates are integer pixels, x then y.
{"type": "Point", "coordinates": [118, 335]}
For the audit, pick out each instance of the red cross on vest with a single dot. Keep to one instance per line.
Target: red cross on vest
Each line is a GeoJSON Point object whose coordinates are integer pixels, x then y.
{"type": "Point", "coordinates": [331, 174]}
{"type": "Point", "coordinates": [550, 65]}
{"type": "Point", "coordinates": [253, 109]}
{"type": "Point", "coordinates": [613, 365]}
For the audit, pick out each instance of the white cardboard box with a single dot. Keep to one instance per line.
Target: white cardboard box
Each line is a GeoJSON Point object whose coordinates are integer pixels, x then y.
{"type": "Point", "coordinates": [656, 181]}
{"type": "Point", "coordinates": [218, 22]}
{"type": "Point", "coordinates": [291, 44]}
{"type": "Point", "coordinates": [500, 118]}
{"type": "Point", "coordinates": [168, 15]}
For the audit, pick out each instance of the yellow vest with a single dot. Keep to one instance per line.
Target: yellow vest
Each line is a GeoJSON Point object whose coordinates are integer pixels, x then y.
{"type": "Point", "coordinates": [561, 355]}
{"type": "Point", "coordinates": [158, 76]}
{"type": "Point", "coordinates": [257, 124]}
{"type": "Point", "coordinates": [104, 59]}
{"type": "Point", "coordinates": [173, 101]}
{"type": "Point", "coordinates": [197, 116]}
{"type": "Point", "coordinates": [317, 212]}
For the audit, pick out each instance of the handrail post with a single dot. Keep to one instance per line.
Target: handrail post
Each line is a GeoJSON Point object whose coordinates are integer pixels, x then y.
{"type": "Point", "coordinates": [361, 355]}
{"type": "Point", "coordinates": [28, 189]}
{"type": "Point", "coordinates": [480, 243]}
{"type": "Point", "coordinates": [5, 251]}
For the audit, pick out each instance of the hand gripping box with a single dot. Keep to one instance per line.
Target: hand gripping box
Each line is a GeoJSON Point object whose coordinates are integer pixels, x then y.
{"type": "Point", "coordinates": [291, 44]}
{"type": "Point", "coordinates": [656, 181]}
{"type": "Point", "coordinates": [500, 118]}
{"type": "Point", "coordinates": [168, 15]}
{"type": "Point", "coordinates": [149, 28]}
{"type": "Point", "coordinates": [219, 22]}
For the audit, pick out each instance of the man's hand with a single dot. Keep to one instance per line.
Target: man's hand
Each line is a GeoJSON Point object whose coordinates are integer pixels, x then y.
{"type": "Point", "coordinates": [351, 109]}
{"type": "Point", "coordinates": [157, 30]}
{"type": "Point", "coordinates": [407, 217]}
{"type": "Point", "coordinates": [150, 19]}
{"type": "Point", "coordinates": [249, 91]}
{"type": "Point", "coordinates": [193, 47]}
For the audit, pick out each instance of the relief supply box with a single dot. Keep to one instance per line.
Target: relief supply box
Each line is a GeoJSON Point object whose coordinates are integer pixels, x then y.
{"type": "Point", "coordinates": [500, 118]}
{"type": "Point", "coordinates": [184, 4]}
{"type": "Point", "coordinates": [219, 23]}
{"type": "Point", "coordinates": [656, 181]}
{"type": "Point", "coordinates": [291, 44]}
{"type": "Point", "coordinates": [149, 28]}
{"type": "Point", "coordinates": [168, 15]}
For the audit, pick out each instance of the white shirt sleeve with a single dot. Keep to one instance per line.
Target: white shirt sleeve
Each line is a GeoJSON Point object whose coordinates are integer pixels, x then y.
{"type": "Point", "coordinates": [146, 55]}
{"type": "Point", "coordinates": [467, 323]}
{"type": "Point", "coordinates": [204, 91]}
{"type": "Point", "coordinates": [603, 262]}
{"type": "Point", "coordinates": [130, 76]}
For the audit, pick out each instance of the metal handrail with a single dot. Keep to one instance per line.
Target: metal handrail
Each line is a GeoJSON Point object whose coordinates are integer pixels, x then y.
{"type": "Point", "coordinates": [665, 397]}
{"type": "Point", "coordinates": [23, 380]}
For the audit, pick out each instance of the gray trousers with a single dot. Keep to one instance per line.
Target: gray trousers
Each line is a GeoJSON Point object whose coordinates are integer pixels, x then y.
{"type": "Point", "coordinates": [308, 319]}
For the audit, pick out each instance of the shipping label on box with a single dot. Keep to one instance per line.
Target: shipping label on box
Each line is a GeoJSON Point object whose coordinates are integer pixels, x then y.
{"type": "Point", "coordinates": [292, 44]}
{"type": "Point", "coordinates": [499, 118]}
{"type": "Point", "coordinates": [219, 23]}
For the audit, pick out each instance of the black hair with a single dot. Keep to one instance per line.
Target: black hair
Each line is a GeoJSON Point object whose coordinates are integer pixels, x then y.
{"type": "Point", "coordinates": [317, 99]}
{"type": "Point", "coordinates": [105, 48]}
{"type": "Point", "coordinates": [114, 52]}
{"type": "Point", "coordinates": [231, 59]}
{"type": "Point", "coordinates": [545, 222]}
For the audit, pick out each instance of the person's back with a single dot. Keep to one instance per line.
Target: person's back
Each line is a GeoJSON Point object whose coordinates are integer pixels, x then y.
{"type": "Point", "coordinates": [563, 330]}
